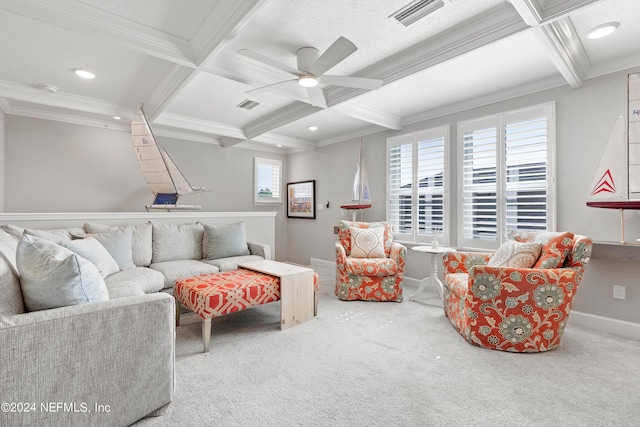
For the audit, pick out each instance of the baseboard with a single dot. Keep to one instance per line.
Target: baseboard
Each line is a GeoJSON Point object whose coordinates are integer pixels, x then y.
{"type": "Point", "coordinates": [591, 321]}
{"type": "Point", "coordinates": [606, 324]}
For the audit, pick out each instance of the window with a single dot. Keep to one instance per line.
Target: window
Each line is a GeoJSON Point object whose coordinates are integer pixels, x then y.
{"type": "Point", "coordinates": [267, 181]}
{"type": "Point", "coordinates": [416, 185]}
{"type": "Point", "coordinates": [506, 175]}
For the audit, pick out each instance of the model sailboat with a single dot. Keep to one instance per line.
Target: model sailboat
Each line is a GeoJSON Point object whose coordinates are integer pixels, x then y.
{"type": "Point", "coordinates": [163, 176]}
{"type": "Point", "coordinates": [617, 181]}
{"type": "Point", "coordinates": [361, 195]}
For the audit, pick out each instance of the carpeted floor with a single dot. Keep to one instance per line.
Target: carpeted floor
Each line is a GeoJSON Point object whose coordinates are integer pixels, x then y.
{"type": "Point", "coordinates": [392, 364]}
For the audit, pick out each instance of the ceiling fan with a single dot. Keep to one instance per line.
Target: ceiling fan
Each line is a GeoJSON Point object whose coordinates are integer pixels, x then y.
{"type": "Point", "coordinates": [311, 67]}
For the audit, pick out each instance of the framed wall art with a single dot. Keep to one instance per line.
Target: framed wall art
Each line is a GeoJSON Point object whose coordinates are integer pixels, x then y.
{"type": "Point", "coordinates": [301, 199]}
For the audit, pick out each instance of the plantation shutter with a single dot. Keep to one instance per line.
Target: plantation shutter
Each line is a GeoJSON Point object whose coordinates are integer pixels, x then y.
{"type": "Point", "coordinates": [506, 176]}
{"type": "Point", "coordinates": [479, 182]}
{"type": "Point", "coordinates": [416, 185]}
{"type": "Point", "coordinates": [430, 180]}
{"type": "Point", "coordinates": [400, 186]}
{"type": "Point", "coordinates": [268, 181]}
{"type": "Point", "coordinates": [526, 171]}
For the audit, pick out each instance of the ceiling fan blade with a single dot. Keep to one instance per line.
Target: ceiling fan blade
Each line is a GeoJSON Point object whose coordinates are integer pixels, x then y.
{"type": "Point", "coordinates": [316, 97]}
{"type": "Point", "coordinates": [338, 51]}
{"type": "Point", "coordinates": [274, 86]}
{"type": "Point", "coordinates": [268, 61]}
{"type": "Point", "coordinates": [356, 82]}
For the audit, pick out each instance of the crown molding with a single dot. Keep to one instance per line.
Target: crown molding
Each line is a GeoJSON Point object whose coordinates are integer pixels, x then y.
{"type": "Point", "coordinates": [82, 18]}
{"type": "Point", "coordinates": [370, 130]}
{"type": "Point", "coordinates": [175, 79]}
{"type": "Point", "coordinates": [538, 12]}
{"type": "Point", "coordinates": [505, 95]}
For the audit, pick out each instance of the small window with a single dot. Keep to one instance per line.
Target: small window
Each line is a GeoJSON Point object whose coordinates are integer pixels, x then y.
{"type": "Point", "coordinates": [267, 181]}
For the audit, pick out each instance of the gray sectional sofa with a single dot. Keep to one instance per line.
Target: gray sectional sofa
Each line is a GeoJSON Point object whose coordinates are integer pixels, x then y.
{"type": "Point", "coordinates": [105, 359]}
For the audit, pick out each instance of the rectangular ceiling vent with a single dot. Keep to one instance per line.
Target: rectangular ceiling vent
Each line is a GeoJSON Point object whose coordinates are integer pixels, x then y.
{"type": "Point", "coordinates": [415, 11]}
{"type": "Point", "coordinates": [248, 104]}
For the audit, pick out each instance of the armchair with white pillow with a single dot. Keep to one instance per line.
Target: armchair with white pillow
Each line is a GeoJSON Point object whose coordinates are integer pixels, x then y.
{"type": "Point", "coordinates": [518, 299]}
{"type": "Point", "coordinates": [369, 265]}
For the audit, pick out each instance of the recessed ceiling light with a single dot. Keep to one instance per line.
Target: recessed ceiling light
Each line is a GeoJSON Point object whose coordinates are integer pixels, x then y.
{"type": "Point", "coordinates": [84, 73]}
{"type": "Point", "coordinates": [279, 145]}
{"type": "Point", "coordinates": [117, 118]}
{"type": "Point", "coordinates": [312, 128]}
{"type": "Point", "coordinates": [603, 30]}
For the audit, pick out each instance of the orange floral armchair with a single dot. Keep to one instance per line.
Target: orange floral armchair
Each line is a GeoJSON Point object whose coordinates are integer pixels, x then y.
{"type": "Point", "coordinates": [375, 278]}
{"type": "Point", "coordinates": [513, 308]}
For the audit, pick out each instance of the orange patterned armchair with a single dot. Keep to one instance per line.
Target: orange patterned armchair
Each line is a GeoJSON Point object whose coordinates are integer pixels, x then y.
{"type": "Point", "coordinates": [369, 265]}
{"type": "Point", "coordinates": [515, 308]}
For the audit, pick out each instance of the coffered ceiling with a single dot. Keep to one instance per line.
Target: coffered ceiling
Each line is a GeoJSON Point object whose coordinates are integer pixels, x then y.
{"type": "Point", "coordinates": [180, 59]}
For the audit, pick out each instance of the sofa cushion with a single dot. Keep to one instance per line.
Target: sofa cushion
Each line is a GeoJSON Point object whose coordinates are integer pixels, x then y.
{"type": "Point", "coordinates": [52, 276]}
{"type": "Point", "coordinates": [516, 254]}
{"type": "Point", "coordinates": [231, 263]}
{"type": "Point", "coordinates": [226, 240]}
{"type": "Point", "coordinates": [367, 242]}
{"type": "Point", "coordinates": [8, 246]}
{"type": "Point", "coordinates": [148, 280]}
{"type": "Point", "coordinates": [124, 289]}
{"type": "Point", "coordinates": [378, 267]}
{"type": "Point", "coordinates": [118, 244]}
{"type": "Point", "coordinates": [172, 242]}
{"type": "Point", "coordinates": [176, 270]}
{"type": "Point", "coordinates": [141, 241]}
{"type": "Point", "coordinates": [91, 249]}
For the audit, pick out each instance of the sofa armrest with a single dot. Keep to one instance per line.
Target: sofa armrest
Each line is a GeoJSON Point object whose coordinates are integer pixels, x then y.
{"type": "Point", "coordinates": [461, 262]}
{"type": "Point", "coordinates": [398, 252]}
{"type": "Point", "coordinates": [261, 249]}
{"type": "Point", "coordinates": [92, 364]}
{"type": "Point", "coordinates": [341, 254]}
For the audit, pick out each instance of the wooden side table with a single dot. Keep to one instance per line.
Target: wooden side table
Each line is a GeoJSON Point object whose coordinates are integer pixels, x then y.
{"type": "Point", "coordinates": [432, 279]}
{"type": "Point", "coordinates": [296, 289]}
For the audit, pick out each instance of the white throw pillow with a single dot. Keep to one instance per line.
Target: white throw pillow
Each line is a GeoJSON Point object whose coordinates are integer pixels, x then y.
{"type": "Point", "coordinates": [52, 276]}
{"type": "Point", "coordinates": [516, 254]}
{"type": "Point", "coordinates": [367, 242]}
{"type": "Point", "coordinates": [118, 244]}
{"type": "Point", "coordinates": [91, 249]}
{"type": "Point", "coordinates": [141, 239]}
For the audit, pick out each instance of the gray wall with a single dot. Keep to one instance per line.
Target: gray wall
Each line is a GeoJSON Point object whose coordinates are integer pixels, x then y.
{"type": "Point", "coordinates": [59, 167]}
{"type": "Point", "coordinates": [584, 120]}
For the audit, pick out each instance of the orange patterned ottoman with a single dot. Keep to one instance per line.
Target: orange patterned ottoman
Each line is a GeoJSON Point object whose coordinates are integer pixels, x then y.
{"type": "Point", "coordinates": [217, 294]}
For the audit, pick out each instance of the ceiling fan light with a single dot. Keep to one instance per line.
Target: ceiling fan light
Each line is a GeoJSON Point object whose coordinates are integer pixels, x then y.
{"type": "Point", "coordinates": [603, 30]}
{"type": "Point", "coordinates": [308, 80]}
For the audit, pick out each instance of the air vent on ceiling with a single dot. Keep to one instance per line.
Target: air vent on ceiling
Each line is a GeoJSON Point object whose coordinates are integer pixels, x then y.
{"type": "Point", "coordinates": [248, 104]}
{"type": "Point", "coordinates": [415, 11]}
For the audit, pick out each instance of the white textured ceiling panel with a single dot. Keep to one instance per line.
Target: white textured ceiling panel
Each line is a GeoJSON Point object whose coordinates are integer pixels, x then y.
{"type": "Point", "coordinates": [45, 54]}
{"type": "Point", "coordinates": [178, 17]}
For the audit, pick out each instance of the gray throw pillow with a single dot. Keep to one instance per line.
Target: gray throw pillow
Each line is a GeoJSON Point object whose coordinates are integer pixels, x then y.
{"type": "Point", "coordinates": [174, 242]}
{"type": "Point", "coordinates": [52, 276]}
{"type": "Point", "coordinates": [226, 240]}
{"type": "Point", "coordinates": [118, 244]}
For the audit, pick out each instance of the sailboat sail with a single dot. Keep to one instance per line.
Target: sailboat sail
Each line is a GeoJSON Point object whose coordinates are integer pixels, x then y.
{"type": "Point", "coordinates": [361, 183]}
{"type": "Point", "coordinates": [617, 181]}
{"type": "Point", "coordinates": [163, 176]}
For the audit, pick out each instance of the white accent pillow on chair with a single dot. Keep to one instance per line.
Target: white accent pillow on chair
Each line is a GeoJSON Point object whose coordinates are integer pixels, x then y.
{"type": "Point", "coordinates": [367, 242]}
{"type": "Point", "coordinates": [516, 254]}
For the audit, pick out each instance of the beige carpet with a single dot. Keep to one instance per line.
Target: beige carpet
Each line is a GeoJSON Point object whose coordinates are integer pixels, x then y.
{"type": "Point", "coordinates": [392, 364]}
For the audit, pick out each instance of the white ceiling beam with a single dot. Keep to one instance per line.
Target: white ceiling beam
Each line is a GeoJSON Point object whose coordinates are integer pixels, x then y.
{"type": "Point", "coordinates": [279, 118]}
{"type": "Point", "coordinates": [82, 18]}
{"type": "Point", "coordinates": [168, 120]}
{"type": "Point", "coordinates": [554, 31]}
{"type": "Point", "coordinates": [368, 114]}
